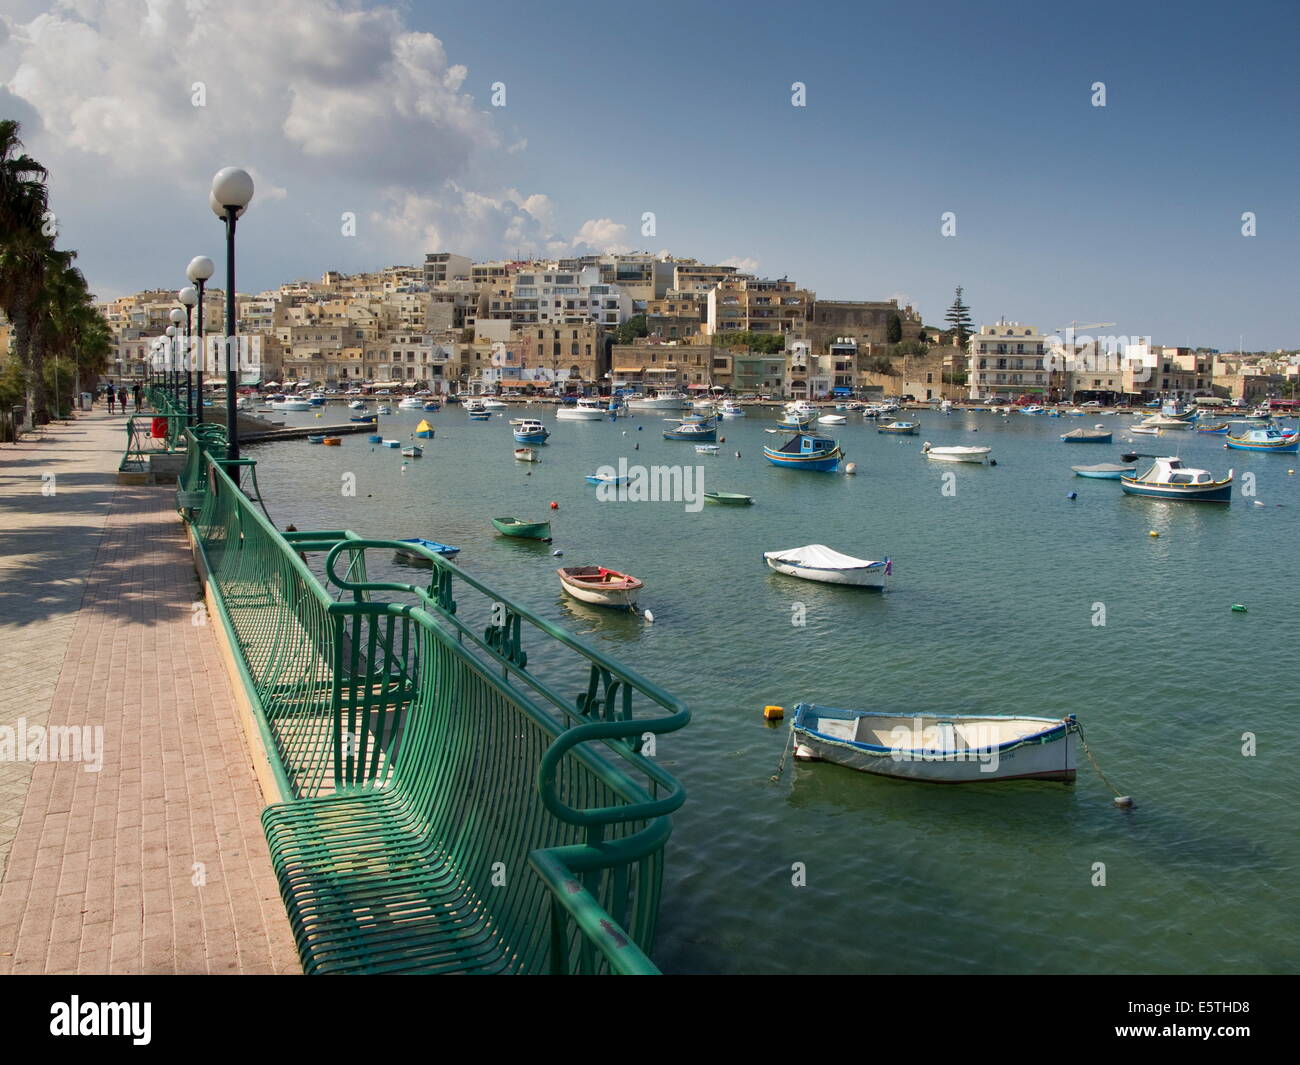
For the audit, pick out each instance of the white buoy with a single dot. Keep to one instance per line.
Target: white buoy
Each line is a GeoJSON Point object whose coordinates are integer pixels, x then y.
{"type": "Point", "coordinates": [1123, 800]}
{"type": "Point", "coordinates": [851, 468]}
{"type": "Point", "coordinates": [649, 617]}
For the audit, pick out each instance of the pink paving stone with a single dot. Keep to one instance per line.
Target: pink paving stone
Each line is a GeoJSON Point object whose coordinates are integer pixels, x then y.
{"type": "Point", "coordinates": [116, 848]}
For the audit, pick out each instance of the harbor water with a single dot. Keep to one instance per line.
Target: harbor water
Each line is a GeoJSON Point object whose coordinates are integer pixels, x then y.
{"type": "Point", "coordinates": [1007, 597]}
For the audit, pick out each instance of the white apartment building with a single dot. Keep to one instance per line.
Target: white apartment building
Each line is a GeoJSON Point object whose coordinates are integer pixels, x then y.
{"type": "Point", "coordinates": [554, 297]}
{"type": "Point", "coordinates": [1007, 360]}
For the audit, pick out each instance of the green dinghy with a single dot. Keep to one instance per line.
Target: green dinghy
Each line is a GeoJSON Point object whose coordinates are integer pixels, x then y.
{"type": "Point", "coordinates": [732, 499]}
{"type": "Point", "coordinates": [527, 530]}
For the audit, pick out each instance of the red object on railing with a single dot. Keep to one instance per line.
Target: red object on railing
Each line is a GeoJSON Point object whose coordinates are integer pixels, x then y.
{"type": "Point", "coordinates": [158, 428]}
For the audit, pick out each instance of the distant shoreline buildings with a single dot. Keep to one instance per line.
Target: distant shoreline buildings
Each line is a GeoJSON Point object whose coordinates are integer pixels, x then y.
{"type": "Point", "coordinates": [640, 321]}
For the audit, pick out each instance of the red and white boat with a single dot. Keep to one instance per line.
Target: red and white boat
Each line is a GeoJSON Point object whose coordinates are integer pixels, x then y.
{"type": "Point", "coordinates": [600, 586]}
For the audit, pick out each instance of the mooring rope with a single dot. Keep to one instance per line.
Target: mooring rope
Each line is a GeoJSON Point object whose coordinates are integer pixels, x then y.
{"type": "Point", "coordinates": [1120, 799]}
{"type": "Point", "coordinates": [776, 777]}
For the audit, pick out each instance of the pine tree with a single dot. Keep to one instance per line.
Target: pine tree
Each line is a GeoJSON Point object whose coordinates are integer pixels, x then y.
{"type": "Point", "coordinates": [958, 317]}
{"type": "Point", "coordinates": [894, 328]}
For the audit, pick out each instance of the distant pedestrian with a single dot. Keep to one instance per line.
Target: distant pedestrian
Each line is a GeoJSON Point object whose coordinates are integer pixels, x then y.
{"type": "Point", "coordinates": [135, 394]}
{"type": "Point", "coordinates": [110, 401]}
{"type": "Point", "coordinates": [121, 398]}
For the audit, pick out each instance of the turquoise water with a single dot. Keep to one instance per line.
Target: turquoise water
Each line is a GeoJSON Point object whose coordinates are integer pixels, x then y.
{"type": "Point", "coordinates": [991, 609]}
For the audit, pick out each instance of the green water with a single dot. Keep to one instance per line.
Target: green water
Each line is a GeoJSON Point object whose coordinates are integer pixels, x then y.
{"type": "Point", "coordinates": [991, 609]}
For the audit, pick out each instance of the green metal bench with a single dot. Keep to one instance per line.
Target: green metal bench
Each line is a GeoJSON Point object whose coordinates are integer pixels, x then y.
{"type": "Point", "coordinates": [446, 808]}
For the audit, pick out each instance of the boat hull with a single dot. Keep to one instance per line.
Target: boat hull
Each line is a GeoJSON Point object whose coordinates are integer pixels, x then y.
{"type": "Point", "coordinates": [825, 463]}
{"type": "Point", "coordinates": [872, 576]}
{"type": "Point", "coordinates": [531, 438]}
{"type": "Point", "coordinates": [956, 749]}
{"type": "Point", "coordinates": [946, 455]}
{"type": "Point", "coordinates": [1286, 446]}
{"type": "Point", "coordinates": [523, 530]}
{"type": "Point", "coordinates": [580, 414]}
{"type": "Point", "coordinates": [703, 436]}
{"type": "Point", "coordinates": [1218, 492]}
{"type": "Point", "coordinates": [621, 595]}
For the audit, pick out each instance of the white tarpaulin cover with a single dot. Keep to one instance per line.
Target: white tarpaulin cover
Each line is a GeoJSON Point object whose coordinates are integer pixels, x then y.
{"type": "Point", "coordinates": [819, 556]}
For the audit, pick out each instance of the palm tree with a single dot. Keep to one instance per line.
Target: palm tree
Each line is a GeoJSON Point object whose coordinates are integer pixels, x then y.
{"type": "Point", "coordinates": [23, 247]}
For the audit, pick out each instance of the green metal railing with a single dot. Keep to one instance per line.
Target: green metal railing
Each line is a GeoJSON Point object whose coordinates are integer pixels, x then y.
{"type": "Point", "coordinates": [545, 815]}
{"type": "Point", "coordinates": [140, 439]}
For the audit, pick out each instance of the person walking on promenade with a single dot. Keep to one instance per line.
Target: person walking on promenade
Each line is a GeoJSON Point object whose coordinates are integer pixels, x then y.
{"type": "Point", "coordinates": [110, 400]}
{"type": "Point", "coordinates": [121, 398]}
{"type": "Point", "coordinates": [135, 394]}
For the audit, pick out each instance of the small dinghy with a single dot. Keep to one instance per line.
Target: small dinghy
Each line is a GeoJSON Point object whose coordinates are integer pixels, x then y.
{"type": "Point", "coordinates": [955, 454]}
{"type": "Point", "coordinates": [728, 499]}
{"type": "Point", "coordinates": [600, 586]}
{"type": "Point", "coordinates": [902, 428]}
{"type": "Point", "coordinates": [363, 419]}
{"type": "Point", "coordinates": [605, 478]}
{"type": "Point", "coordinates": [817, 562]}
{"type": "Point", "coordinates": [1144, 430]}
{"type": "Point", "coordinates": [1106, 471]}
{"type": "Point", "coordinates": [707, 449]}
{"type": "Point", "coordinates": [943, 748]}
{"type": "Point", "coordinates": [1087, 436]}
{"type": "Point", "coordinates": [333, 441]}
{"type": "Point", "coordinates": [315, 440]}
{"type": "Point", "coordinates": [412, 555]}
{"type": "Point", "coordinates": [1221, 429]}
{"type": "Point", "coordinates": [527, 454]}
{"type": "Point", "coordinates": [412, 451]}
{"type": "Point", "coordinates": [526, 530]}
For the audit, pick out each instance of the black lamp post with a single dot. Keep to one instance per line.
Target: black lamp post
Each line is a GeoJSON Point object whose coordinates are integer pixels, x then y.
{"type": "Point", "coordinates": [232, 189]}
{"type": "Point", "coordinates": [187, 296]}
{"type": "Point", "coordinates": [169, 356]}
{"type": "Point", "coordinates": [178, 320]}
{"type": "Point", "coordinates": [199, 270]}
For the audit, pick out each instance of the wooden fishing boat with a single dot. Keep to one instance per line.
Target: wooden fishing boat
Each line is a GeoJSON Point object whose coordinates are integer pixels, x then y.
{"type": "Point", "coordinates": [526, 530]}
{"type": "Point", "coordinates": [940, 748]}
{"type": "Point", "coordinates": [1145, 430]}
{"type": "Point", "coordinates": [1087, 436]}
{"type": "Point", "coordinates": [902, 428]}
{"type": "Point", "coordinates": [803, 451]}
{"type": "Point", "coordinates": [956, 454]}
{"type": "Point", "coordinates": [333, 441]}
{"type": "Point", "coordinates": [424, 430]}
{"type": "Point", "coordinates": [1106, 471]}
{"type": "Point", "coordinates": [480, 415]}
{"type": "Point", "coordinates": [600, 586]}
{"type": "Point", "coordinates": [530, 431]}
{"type": "Point", "coordinates": [1268, 438]}
{"type": "Point", "coordinates": [315, 439]}
{"type": "Point", "coordinates": [1221, 428]}
{"type": "Point", "coordinates": [1168, 478]}
{"type": "Point", "coordinates": [412, 555]}
{"type": "Point", "coordinates": [412, 451]}
{"type": "Point", "coordinates": [700, 432]}
{"type": "Point", "coordinates": [728, 499]}
{"type": "Point", "coordinates": [527, 454]}
{"type": "Point", "coordinates": [817, 562]}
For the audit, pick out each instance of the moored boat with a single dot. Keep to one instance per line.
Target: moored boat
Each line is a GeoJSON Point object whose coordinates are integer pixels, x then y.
{"type": "Point", "coordinates": [956, 454]}
{"type": "Point", "coordinates": [902, 428]}
{"type": "Point", "coordinates": [424, 430]}
{"type": "Point", "coordinates": [1106, 471]}
{"type": "Point", "coordinates": [1145, 430]}
{"type": "Point", "coordinates": [606, 478]}
{"type": "Point", "coordinates": [333, 441]}
{"type": "Point", "coordinates": [942, 748]}
{"type": "Point", "coordinates": [363, 419]}
{"type": "Point", "coordinates": [1087, 436]}
{"type": "Point", "coordinates": [1168, 478]}
{"type": "Point", "coordinates": [728, 499]}
{"type": "Point", "coordinates": [588, 409]}
{"type": "Point", "coordinates": [660, 401]}
{"type": "Point", "coordinates": [700, 432]}
{"type": "Point", "coordinates": [530, 431]}
{"type": "Point", "coordinates": [1267, 438]}
{"type": "Point", "coordinates": [817, 562]}
{"type": "Point", "coordinates": [707, 449]}
{"type": "Point", "coordinates": [412, 451]}
{"type": "Point", "coordinates": [1221, 428]}
{"type": "Point", "coordinates": [731, 409]}
{"type": "Point", "coordinates": [411, 403]}
{"type": "Point", "coordinates": [527, 454]}
{"type": "Point", "coordinates": [316, 439]}
{"type": "Point", "coordinates": [392, 443]}
{"type": "Point", "coordinates": [600, 586]}
{"type": "Point", "coordinates": [804, 451]}
{"type": "Point", "coordinates": [445, 550]}
{"type": "Point", "coordinates": [524, 530]}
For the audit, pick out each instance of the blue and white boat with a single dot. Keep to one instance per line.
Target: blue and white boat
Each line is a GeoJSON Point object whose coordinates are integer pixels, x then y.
{"type": "Point", "coordinates": [1105, 471]}
{"type": "Point", "coordinates": [1268, 438]}
{"type": "Point", "coordinates": [364, 419]}
{"type": "Point", "coordinates": [445, 550]}
{"type": "Point", "coordinates": [941, 748]}
{"type": "Point", "coordinates": [1168, 478]}
{"type": "Point", "coordinates": [699, 432]}
{"type": "Point", "coordinates": [530, 431]}
{"type": "Point", "coordinates": [804, 451]}
{"type": "Point", "coordinates": [606, 478]}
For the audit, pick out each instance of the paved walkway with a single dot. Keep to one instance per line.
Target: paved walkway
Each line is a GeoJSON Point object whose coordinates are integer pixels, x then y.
{"type": "Point", "coordinates": [156, 861]}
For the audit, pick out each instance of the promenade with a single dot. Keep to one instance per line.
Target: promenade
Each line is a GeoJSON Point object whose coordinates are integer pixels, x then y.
{"type": "Point", "coordinates": [143, 852]}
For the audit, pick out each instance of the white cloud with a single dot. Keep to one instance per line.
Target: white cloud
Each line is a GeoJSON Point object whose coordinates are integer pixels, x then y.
{"type": "Point", "coordinates": [602, 234]}
{"type": "Point", "coordinates": [745, 265]}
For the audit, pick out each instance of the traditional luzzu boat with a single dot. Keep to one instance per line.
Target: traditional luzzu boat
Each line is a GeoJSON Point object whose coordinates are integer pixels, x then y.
{"type": "Point", "coordinates": [940, 748]}
{"type": "Point", "coordinates": [699, 432]}
{"type": "Point", "coordinates": [1221, 428]}
{"type": "Point", "coordinates": [600, 586]}
{"type": "Point", "coordinates": [424, 430]}
{"type": "Point", "coordinates": [956, 454]}
{"type": "Point", "coordinates": [1269, 438]}
{"type": "Point", "coordinates": [804, 451]}
{"type": "Point", "coordinates": [530, 431]}
{"type": "Point", "coordinates": [1168, 478]}
{"type": "Point", "coordinates": [902, 428]}
{"type": "Point", "coordinates": [524, 530]}
{"type": "Point", "coordinates": [445, 550]}
{"type": "Point", "coordinates": [817, 562]}
{"type": "Point", "coordinates": [1106, 471]}
{"type": "Point", "coordinates": [1087, 436]}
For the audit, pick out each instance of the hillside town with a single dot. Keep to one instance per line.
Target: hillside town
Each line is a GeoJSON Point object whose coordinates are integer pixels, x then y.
{"type": "Point", "coordinates": [641, 322]}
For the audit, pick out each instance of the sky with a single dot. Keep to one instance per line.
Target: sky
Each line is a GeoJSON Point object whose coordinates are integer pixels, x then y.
{"type": "Point", "coordinates": [505, 128]}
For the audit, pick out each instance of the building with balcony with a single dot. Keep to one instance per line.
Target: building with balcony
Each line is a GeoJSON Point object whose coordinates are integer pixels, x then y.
{"type": "Point", "coordinates": [1007, 360]}
{"type": "Point", "coordinates": [752, 305]}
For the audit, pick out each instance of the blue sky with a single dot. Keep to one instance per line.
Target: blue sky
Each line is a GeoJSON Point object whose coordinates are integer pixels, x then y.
{"type": "Point", "coordinates": [1128, 213]}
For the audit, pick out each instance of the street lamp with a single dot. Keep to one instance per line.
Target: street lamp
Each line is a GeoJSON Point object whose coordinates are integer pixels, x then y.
{"type": "Point", "coordinates": [199, 270]}
{"type": "Point", "coordinates": [167, 358]}
{"type": "Point", "coordinates": [177, 317]}
{"type": "Point", "coordinates": [188, 296]}
{"type": "Point", "coordinates": [232, 189]}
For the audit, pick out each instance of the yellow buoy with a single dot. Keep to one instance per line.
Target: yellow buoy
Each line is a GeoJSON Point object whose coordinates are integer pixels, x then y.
{"type": "Point", "coordinates": [773, 713]}
{"type": "Point", "coordinates": [1153, 533]}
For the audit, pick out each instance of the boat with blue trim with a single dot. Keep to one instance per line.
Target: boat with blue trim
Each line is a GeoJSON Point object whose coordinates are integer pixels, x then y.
{"type": "Point", "coordinates": [1268, 438]}
{"type": "Point", "coordinates": [1168, 478]}
{"type": "Point", "coordinates": [804, 451]}
{"type": "Point", "coordinates": [902, 428]}
{"type": "Point", "coordinates": [696, 430]}
{"type": "Point", "coordinates": [530, 431]}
